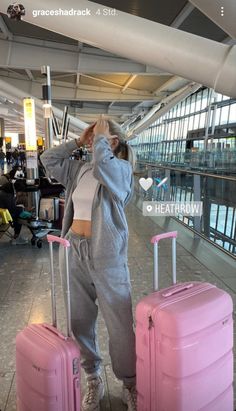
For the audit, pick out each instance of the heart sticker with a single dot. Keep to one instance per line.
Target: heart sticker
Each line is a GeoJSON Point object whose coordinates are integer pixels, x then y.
{"type": "Point", "coordinates": [146, 183]}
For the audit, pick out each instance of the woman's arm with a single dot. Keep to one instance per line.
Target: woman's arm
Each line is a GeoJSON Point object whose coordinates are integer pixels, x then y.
{"type": "Point", "coordinates": [57, 161]}
{"type": "Point", "coordinates": [110, 171]}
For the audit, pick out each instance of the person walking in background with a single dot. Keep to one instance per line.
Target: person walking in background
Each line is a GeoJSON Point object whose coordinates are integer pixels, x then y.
{"type": "Point", "coordinates": [95, 224]}
{"type": "Point", "coordinates": [2, 159]}
{"type": "Point", "coordinates": [22, 158]}
{"type": "Point", "coordinates": [8, 157]}
{"type": "Point", "coordinates": [15, 157]}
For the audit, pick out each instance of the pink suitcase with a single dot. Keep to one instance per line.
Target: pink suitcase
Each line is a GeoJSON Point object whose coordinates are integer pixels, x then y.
{"type": "Point", "coordinates": [184, 345]}
{"type": "Point", "coordinates": [47, 362]}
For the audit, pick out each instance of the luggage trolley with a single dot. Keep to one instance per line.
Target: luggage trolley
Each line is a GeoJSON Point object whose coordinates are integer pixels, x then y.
{"type": "Point", "coordinates": [43, 222]}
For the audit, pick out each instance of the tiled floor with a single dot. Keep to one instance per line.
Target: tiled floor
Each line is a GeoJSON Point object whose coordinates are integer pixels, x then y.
{"type": "Point", "coordinates": [25, 297]}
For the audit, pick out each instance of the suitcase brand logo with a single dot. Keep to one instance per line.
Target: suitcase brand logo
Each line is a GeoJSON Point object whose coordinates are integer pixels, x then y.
{"type": "Point", "coordinates": [146, 183]}
{"type": "Point", "coordinates": [36, 368]}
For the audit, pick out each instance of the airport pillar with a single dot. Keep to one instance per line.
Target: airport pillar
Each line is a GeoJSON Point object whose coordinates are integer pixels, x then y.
{"type": "Point", "coordinates": [2, 131]}
{"type": "Point", "coordinates": [31, 152]}
{"type": "Point", "coordinates": [47, 97]}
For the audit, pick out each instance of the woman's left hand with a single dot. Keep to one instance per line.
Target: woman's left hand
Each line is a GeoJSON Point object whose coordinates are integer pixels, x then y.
{"type": "Point", "coordinates": [101, 127]}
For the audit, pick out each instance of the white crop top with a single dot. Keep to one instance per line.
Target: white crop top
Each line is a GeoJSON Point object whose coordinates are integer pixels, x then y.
{"type": "Point", "coordinates": [83, 195]}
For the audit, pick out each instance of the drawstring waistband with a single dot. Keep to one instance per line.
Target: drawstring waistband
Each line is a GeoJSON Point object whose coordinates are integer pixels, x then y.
{"type": "Point", "coordinates": [80, 239]}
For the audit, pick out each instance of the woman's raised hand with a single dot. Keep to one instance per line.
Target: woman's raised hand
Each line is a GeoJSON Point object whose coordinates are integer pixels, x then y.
{"type": "Point", "coordinates": [87, 135]}
{"type": "Point", "coordinates": [101, 127]}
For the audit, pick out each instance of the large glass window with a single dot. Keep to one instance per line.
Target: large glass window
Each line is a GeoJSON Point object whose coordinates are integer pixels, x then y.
{"type": "Point", "coordinates": [182, 112]}
{"type": "Point", "coordinates": [196, 121]}
{"type": "Point", "coordinates": [192, 104]}
{"type": "Point", "coordinates": [217, 117]}
{"type": "Point", "coordinates": [187, 106]}
{"type": "Point", "coordinates": [185, 127]}
{"type": "Point", "coordinates": [202, 120]}
{"type": "Point", "coordinates": [171, 130]}
{"type": "Point", "coordinates": [219, 97]}
{"type": "Point", "coordinates": [224, 115]}
{"type": "Point", "coordinates": [190, 124]}
{"type": "Point", "coordinates": [198, 101]}
{"type": "Point", "coordinates": [232, 113]}
{"type": "Point", "coordinates": [205, 102]}
{"type": "Point", "coordinates": [178, 110]}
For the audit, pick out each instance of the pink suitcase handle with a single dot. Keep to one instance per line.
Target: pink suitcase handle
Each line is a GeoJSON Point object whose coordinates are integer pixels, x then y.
{"type": "Point", "coordinates": [66, 244]}
{"type": "Point", "coordinates": [54, 239]}
{"type": "Point", "coordinates": [54, 331]}
{"type": "Point", "coordinates": [155, 241]}
{"type": "Point", "coordinates": [177, 289]}
{"type": "Point", "coordinates": [157, 238]}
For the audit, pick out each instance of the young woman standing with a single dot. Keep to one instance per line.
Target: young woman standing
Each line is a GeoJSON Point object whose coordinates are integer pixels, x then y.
{"type": "Point", "coordinates": [95, 224]}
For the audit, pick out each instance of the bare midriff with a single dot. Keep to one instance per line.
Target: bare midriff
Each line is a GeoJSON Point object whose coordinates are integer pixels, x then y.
{"type": "Point", "coordinates": [82, 227]}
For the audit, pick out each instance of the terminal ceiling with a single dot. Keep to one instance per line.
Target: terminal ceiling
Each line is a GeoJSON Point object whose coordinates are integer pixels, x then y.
{"type": "Point", "coordinates": [92, 81]}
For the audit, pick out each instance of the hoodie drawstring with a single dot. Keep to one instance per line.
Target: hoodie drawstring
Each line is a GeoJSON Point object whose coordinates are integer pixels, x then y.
{"type": "Point", "coordinates": [81, 240]}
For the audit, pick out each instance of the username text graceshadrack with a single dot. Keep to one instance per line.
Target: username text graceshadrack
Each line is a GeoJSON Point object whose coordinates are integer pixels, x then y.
{"type": "Point", "coordinates": [62, 12]}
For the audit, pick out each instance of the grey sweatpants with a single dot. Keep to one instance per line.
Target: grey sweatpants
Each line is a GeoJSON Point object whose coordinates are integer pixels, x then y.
{"type": "Point", "coordinates": [110, 287]}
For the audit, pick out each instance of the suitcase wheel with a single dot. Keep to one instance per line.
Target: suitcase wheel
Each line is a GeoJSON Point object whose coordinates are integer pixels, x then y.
{"type": "Point", "coordinates": [39, 243]}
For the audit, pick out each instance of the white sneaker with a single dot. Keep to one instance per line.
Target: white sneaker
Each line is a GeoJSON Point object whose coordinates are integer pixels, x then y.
{"type": "Point", "coordinates": [19, 241]}
{"type": "Point", "coordinates": [94, 393]}
{"type": "Point", "coordinates": [130, 397]}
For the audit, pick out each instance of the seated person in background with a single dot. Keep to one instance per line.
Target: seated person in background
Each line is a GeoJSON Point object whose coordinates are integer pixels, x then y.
{"type": "Point", "coordinates": [19, 173]}
{"type": "Point", "coordinates": [8, 200]}
{"type": "Point", "coordinates": [46, 186]}
{"type": "Point", "coordinates": [4, 178]}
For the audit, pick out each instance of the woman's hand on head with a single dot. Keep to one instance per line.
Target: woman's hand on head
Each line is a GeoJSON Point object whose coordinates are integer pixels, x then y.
{"type": "Point", "coordinates": [101, 127]}
{"type": "Point", "coordinates": [87, 135]}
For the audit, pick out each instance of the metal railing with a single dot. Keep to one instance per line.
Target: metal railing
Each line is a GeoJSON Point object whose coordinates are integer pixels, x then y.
{"type": "Point", "coordinates": [217, 193]}
{"type": "Point", "coordinates": [214, 161]}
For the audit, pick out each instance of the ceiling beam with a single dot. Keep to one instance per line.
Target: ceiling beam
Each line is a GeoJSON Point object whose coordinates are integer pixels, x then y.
{"type": "Point", "coordinates": [98, 109]}
{"type": "Point", "coordinates": [123, 88]}
{"type": "Point", "coordinates": [77, 80]}
{"type": "Point", "coordinates": [65, 91]}
{"type": "Point", "coordinates": [128, 82]}
{"type": "Point", "coordinates": [193, 57]}
{"type": "Point", "coordinates": [23, 53]}
{"type": "Point", "coordinates": [229, 41]}
{"type": "Point", "coordinates": [57, 76]}
{"type": "Point", "coordinates": [29, 74]}
{"type": "Point", "coordinates": [181, 17]}
{"type": "Point", "coordinates": [173, 84]}
{"type": "Point", "coordinates": [102, 80]}
{"type": "Point", "coordinates": [110, 105]}
{"type": "Point", "coordinates": [151, 117]}
{"type": "Point", "coordinates": [6, 32]}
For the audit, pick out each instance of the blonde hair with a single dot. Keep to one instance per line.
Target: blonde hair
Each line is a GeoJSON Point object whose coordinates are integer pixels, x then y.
{"type": "Point", "coordinates": [123, 150]}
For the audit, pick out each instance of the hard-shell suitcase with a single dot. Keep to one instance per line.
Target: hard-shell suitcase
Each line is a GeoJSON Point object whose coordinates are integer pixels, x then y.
{"type": "Point", "coordinates": [184, 343]}
{"type": "Point", "coordinates": [48, 362]}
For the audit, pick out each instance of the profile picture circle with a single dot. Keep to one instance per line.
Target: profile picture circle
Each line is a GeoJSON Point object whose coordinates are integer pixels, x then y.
{"type": "Point", "coordinates": [15, 11]}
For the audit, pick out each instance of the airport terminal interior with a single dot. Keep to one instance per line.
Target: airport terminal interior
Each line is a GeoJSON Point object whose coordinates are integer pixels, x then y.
{"type": "Point", "coordinates": [165, 71]}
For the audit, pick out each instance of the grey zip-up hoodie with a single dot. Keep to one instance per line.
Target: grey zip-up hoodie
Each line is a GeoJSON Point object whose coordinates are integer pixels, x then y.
{"type": "Point", "coordinates": [109, 240]}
